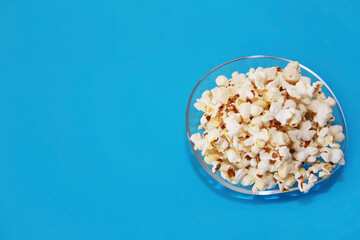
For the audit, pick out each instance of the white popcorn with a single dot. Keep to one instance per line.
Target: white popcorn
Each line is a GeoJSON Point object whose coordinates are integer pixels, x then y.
{"type": "Point", "coordinates": [239, 175]}
{"type": "Point", "coordinates": [323, 132]}
{"type": "Point", "coordinates": [232, 124]}
{"type": "Point", "coordinates": [237, 78]}
{"type": "Point", "coordinates": [259, 77]}
{"type": "Point", "coordinates": [222, 81]}
{"type": "Point", "coordinates": [257, 121]}
{"type": "Point", "coordinates": [292, 72]}
{"type": "Point", "coordinates": [222, 143]}
{"type": "Point", "coordinates": [290, 103]}
{"type": "Point", "coordinates": [244, 110]}
{"type": "Point", "coordinates": [258, 130]}
{"type": "Point", "coordinates": [334, 155]}
{"type": "Point", "coordinates": [336, 131]}
{"type": "Point", "coordinates": [271, 73]}
{"type": "Point", "coordinates": [302, 108]}
{"type": "Point", "coordinates": [284, 115]}
{"type": "Point", "coordinates": [216, 166]}
{"type": "Point", "coordinates": [198, 141]}
{"type": "Point", "coordinates": [278, 138]}
{"type": "Point", "coordinates": [295, 119]}
{"type": "Point", "coordinates": [304, 88]}
{"type": "Point", "coordinates": [211, 158]}
{"type": "Point", "coordinates": [285, 153]}
{"type": "Point", "coordinates": [255, 110]}
{"type": "Point", "coordinates": [232, 156]}
{"type": "Point", "coordinates": [306, 133]}
{"type": "Point", "coordinates": [285, 170]}
{"type": "Point", "coordinates": [275, 108]}
{"type": "Point", "coordinates": [247, 180]}
{"type": "Point", "coordinates": [220, 95]}
{"type": "Point", "coordinates": [305, 153]}
{"type": "Point", "coordinates": [272, 94]}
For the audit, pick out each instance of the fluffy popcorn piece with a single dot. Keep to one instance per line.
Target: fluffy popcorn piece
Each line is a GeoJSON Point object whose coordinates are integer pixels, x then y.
{"type": "Point", "coordinates": [304, 87]}
{"type": "Point", "coordinates": [278, 138]}
{"type": "Point", "coordinates": [198, 141]}
{"type": "Point", "coordinates": [295, 119]}
{"type": "Point", "coordinates": [306, 133]}
{"type": "Point", "coordinates": [285, 153]}
{"type": "Point", "coordinates": [301, 156]}
{"type": "Point", "coordinates": [232, 124]}
{"type": "Point", "coordinates": [290, 104]}
{"type": "Point", "coordinates": [323, 132]}
{"type": "Point", "coordinates": [255, 110]}
{"type": "Point", "coordinates": [239, 175]}
{"type": "Point", "coordinates": [257, 121]}
{"type": "Point", "coordinates": [222, 144]}
{"type": "Point", "coordinates": [215, 166]}
{"type": "Point", "coordinates": [245, 89]}
{"type": "Point", "coordinates": [222, 81]}
{"type": "Point", "coordinates": [258, 77]}
{"type": "Point", "coordinates": [203, 121]}
{"type": "Point", "coordinates": [211, 158]}
{"type": "Point", "coordinates": [227, 172]}
{"type": "Point", "coordinates": [245, 111]}
{"type": "Point", "coordinates": [213, 123]}
{"type": "Point", "coordinates": [203, 101]}
{"type": "Point", "coordinates": [275, 108]}
{"type": "Point", "coordinates": [269, 181]}
{"type": "Point", "coordinates": [272, 94]}
{"type": "Point", "coordinates": [292, 72]}
{"type": "Point", "coordinates": [259, 128]}
{"type": "Point", "coordinates": [285, 170]}
{"type": "Point", "coordinates": [323, 110]}
{"type": "Point", "coordinates": [289, 181]}
{"type": "Point", "coordinates": [233, 156]}
{"type": "Point", "coordinates": [271, 72]}
{"type": "Point", "coordinates": [284, 115]}
{"type": "Point", "coordinates": [334, 155]}
{"type": "Point", "coordinates": [220, 95]}
{"type": "Point", "coordinates": [211, 137]}
{"type": "Point", "coordinates": [336, 131]}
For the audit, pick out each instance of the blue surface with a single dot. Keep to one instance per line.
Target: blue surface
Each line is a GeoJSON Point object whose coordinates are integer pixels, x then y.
{"type": "Point", "coordinates": [92, 134]}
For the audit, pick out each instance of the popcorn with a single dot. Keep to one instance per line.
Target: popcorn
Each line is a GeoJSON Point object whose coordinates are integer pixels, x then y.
{"type": "Point", "coordinates": [222, 81]}
{"type": "Point", "coordinates": [259, 129]}
{"type": "Point", "coordinates": [232, 156]}
{"type": "Point", "coordinates": [239, 175]}
{"type": "Point", "coordinates": [284, 115]}
{"type": "Point", "coordinates": [259, 77]}
{"type": "Point", "coordinates": [211, 158]}
{"type": "Point", "coordinates": [198, 141]}
{"type": "Point", "coordinates": [301, 156]}
{"type": "Point", "coordinates": [232, 124]}
{"type": "Point", "coordinates": [255, 110]}
{"type": "Point", "coordinates": [244, 110]}
{"type": "Point", "coordinates": [306, 134]}
{"type": "Point", "coordinates": [220, 95]}
{"type": "Point", "coordinates": [334, 155]}
{"type": "Point", "coordinates": [336, 131]}
{"type": "Point", "coordinates": [292, 72]}
{"type": "Point", "coordinates": [285, 170]}
{"type": "Point", "coordinates": [278, 138]}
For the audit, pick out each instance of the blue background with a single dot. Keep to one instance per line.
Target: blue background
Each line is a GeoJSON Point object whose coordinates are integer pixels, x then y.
{"type": "Point", "coordinates": [92, 130]}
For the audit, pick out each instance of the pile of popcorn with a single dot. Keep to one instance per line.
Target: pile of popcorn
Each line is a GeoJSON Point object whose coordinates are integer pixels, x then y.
{"type": "Point", "coordinates": [269, 127]}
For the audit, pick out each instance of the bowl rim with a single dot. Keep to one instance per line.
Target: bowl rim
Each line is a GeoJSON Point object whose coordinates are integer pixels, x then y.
{"type": "Point", "coordinates": [222, 181]}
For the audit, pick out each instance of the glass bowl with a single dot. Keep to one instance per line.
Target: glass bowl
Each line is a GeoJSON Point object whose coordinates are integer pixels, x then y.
{"type": "Point", "coordinates": [242, 65]}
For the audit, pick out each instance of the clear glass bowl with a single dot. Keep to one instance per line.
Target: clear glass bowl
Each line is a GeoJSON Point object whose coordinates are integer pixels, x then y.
{"type": "Point", "coordinates": [242, 65]}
